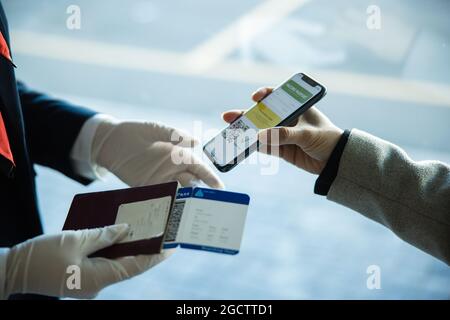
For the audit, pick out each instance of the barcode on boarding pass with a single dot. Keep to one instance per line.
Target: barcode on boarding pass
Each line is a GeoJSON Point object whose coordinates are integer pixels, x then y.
{"type": "Point", "coordinates": [174, 220]}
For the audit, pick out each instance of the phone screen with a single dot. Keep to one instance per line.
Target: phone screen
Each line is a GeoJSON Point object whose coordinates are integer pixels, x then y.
{"type": "Point", "coordinates": [239, 139]}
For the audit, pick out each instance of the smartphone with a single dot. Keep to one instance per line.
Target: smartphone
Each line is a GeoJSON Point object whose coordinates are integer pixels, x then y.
{"type": "Point", "coordinates": [280, 108]}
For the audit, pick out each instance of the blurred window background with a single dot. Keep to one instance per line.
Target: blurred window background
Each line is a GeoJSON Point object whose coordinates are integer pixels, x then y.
{"type": "Point", "coordinates": [181, 62]}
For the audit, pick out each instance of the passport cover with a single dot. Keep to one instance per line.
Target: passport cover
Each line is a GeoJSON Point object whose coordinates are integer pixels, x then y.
{"type": "Point", "coordinates": [99, 209]}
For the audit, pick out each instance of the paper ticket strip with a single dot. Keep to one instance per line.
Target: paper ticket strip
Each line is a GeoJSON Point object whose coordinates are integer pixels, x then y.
{"type": "Point", "coordinates": [207, 219]}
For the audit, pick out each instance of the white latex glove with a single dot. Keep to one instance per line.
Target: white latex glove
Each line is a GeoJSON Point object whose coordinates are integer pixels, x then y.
{"type": "Point", "coordinates": [39, 265]}
{"type": "Point", "coordinates": [140, 153]}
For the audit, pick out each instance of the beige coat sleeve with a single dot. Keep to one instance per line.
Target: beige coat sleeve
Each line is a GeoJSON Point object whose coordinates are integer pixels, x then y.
{"type": "Point", "coordinates": [378, 179]}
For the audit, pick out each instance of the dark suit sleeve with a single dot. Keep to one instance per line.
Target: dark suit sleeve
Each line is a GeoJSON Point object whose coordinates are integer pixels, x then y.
{"type": "Point", "coordinates": [52, 127]}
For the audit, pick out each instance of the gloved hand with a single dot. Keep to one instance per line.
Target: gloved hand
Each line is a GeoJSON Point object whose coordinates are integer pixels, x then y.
{"type": "Point", "coordinates": [142, 153]}
{"type": "Point", "coordinates": [307, 145]}
{"type": "Point", "coordinates": [40, 265]}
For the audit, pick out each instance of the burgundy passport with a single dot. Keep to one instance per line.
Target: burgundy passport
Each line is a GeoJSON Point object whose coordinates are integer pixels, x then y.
{"type": "Point", "coordinates": [99, 209]}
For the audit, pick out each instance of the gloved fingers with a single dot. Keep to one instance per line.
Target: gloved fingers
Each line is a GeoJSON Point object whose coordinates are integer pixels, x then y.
{"type": "Point", "coordinates": [101, 272]}
{"type": "Point", "coordinates": [98, 273]}
{"type": "Point", "coordinates": [187, 179]}
{"type": "Point", "coordinates": [136, 265]}
{"type": "Point", "coordinates": [185, 161]}
{"type": "Point", "coordinates": [183, 139]}
{"type": "Point", "coordinates": [99, 238]}
{"type": "Point", "coordinates": [162, 133]}
{"type": "Point", "coordinates": [204, 173]}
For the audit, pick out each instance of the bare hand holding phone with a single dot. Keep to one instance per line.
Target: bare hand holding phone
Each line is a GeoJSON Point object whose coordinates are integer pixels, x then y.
{"type": "Point", "coordinates": [307, 144]}
{"type": "Point", "coordinates": [278, 107]}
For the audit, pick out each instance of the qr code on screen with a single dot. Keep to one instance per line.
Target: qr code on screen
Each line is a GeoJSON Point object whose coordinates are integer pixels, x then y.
{"type": "Point", "coordinates": [232, 133]}
{"type": "Point", "coordinates": [174, 220]}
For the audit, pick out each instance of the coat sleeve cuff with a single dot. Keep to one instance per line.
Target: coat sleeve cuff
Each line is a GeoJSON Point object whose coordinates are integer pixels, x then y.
{"type": "Point", "coordinates": [328, 174]}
